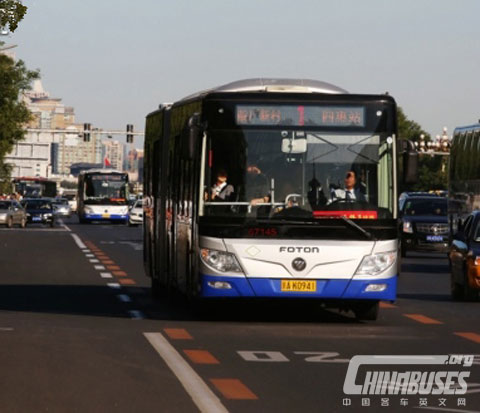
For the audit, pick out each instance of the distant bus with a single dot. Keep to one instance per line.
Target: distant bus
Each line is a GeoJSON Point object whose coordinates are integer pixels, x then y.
{"type": "Point", "coordinates": [35, 187]}
{"type": "Point", "coordinates": [301, 138]}
{"type": "Point", "coordinates": [464, 174]}
{"type": "Point", "coordinates": [102, 196]}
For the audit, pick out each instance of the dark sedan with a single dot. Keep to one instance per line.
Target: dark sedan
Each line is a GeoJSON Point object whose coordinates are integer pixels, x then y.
{"type": "Point", "coordinates": [464, 259]}
{"type": "Point", "coordinates": [424, 225]}
{"type": "Point", "coordinates": [39, 210]}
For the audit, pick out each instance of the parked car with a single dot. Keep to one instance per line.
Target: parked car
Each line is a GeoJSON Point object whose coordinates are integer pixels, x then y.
{"type": "Point", "coordinates": [135, 214]}
{"type": "Point", "coordinates": [39, 210]}
{"type": "Point", "coordinates": [11, 213]}
{"type": "Point", "coordinates": [61, 207]}
{"type": "Point", "coordinates": [464, 259]}
{"type": "Point", "coordinates": [424, 224]}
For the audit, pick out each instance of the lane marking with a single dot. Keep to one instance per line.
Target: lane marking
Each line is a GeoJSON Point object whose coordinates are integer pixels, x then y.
{"type": "Point", "coordinates": [126, 281]}
{"type": "Point", "coordinates": [89, 255]}
{"type": "Point", "coordinates": [136, 315]}
{"type": "Point", "coordinates": [66, 228]}
{"type": "Point", "coordinates": [422, 319]}
{"type": "Point", "coordinates": [106, 275]}
{"type": "Point", "coordinates": [86, 251]}
{"type": "Point", "coordinates": [384, 304]}
{"type": "Point", "coordinates": [6, 328]}
{"type": "Point", "coordinates": [233, 389]}
{"type": "Point", "coordinates": [124, 298]}
{"type": "Point", "coordinates": [113, 267]}
{"type": "Point", "coordinates": [469, 336]}
{"type": "Point", "coordinates": [106, 261]}
{"type": "Point", "coordinates": [177, 334]}
{"type": "Point", "coordinates": [114, 285]}
{"type": "Point", "coordinates": [201, 357]}
{"type": "Point", "coordinates": [119, 273]}
{"type": "Point", "coordinates": [198, 390]}
{"type": "Point", "coordinates": [94, 261]}
{"type": "Point", "coordinates": [99, 267]}
{"type": "Point", "coordinates": [78, 241]}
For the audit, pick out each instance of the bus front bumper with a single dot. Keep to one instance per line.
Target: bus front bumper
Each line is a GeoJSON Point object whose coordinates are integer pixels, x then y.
{"type": "Point", "coordinates": [355, 289]}
{"type": "Point", "coordinates": [101, 217]}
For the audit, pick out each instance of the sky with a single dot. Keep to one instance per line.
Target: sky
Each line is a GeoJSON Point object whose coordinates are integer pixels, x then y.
{"type": "Point", "coordinates": [115, 61]}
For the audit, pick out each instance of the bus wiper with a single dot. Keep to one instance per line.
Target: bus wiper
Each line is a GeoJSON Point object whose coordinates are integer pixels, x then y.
{"type": "Point", "coordinates": [353, 224]}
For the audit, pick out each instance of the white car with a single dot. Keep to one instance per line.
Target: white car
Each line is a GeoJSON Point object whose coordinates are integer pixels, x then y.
{"type": "Point", "coordinates": [135, 214]}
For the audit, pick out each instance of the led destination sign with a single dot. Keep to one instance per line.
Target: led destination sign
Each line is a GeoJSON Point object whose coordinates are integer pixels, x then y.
{"type": "Point", "coordinates": [334, 116]}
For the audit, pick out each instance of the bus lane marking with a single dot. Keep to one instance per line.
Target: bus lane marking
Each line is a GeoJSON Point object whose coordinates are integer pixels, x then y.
{"type": "Point", "coordinates": [469, 336]}
{"type": "Point", "coordinates": [201, 357]}
{"type": "Point", "coordinates": [384, 304]}
{"type": "Point", "coordinates": [177, 334]}
{"type": "Point", "coordinates": [233, 389]}
{"type": "Point", "coordinates": [201, 394]}
{"type": "Point", "coordinates": [422, 319]}
{"type": "Point", "coordinates": [106, 275]}
{"type": "Point", "coordinates": [78, 241]}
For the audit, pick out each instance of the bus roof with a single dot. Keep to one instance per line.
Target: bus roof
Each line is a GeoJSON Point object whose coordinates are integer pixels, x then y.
{"type": "Point", "coordinates": [272, 85]}
{"type": "Point", "coordinates": [466, 128]}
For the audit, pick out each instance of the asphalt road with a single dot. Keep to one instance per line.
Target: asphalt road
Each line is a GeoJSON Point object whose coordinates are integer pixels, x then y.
{"type": "Point", "coordinates": [80, 333]}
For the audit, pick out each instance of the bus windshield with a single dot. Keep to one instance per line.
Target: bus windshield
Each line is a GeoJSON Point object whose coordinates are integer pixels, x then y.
{"type": "Point", "coordinates": [298, 174]}
{"type": "Point", "coordinates": [105, 189]}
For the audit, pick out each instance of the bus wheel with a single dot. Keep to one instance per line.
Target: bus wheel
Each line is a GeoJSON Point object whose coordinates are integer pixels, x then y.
{"type": "Point", "coordinates": [367, 311]}
{"type": "Point", "coordinates": [158, 289]}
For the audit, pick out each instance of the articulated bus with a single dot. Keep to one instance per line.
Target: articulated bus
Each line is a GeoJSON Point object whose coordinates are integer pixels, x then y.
{"type": "Point", "coordinates": [102, 196]}
{"type": "Point", "coordinates": [35, 187]}
{"type": "Point", "coordinates": [464, 174]}
{"type": "Point", "coordinates": [287, 147]}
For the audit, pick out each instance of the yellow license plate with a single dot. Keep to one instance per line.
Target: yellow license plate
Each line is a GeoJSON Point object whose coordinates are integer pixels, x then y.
{"type": "Point", "coordinates": [308, 286]}
{"type": "Point", "coordinates": [105, 215]}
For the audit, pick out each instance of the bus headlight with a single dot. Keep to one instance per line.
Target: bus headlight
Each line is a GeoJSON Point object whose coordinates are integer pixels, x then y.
{"type": "Point", "coordinates": [376, 263]}
{"type": "Point", "coordinates": [407, 227]}
{"type": "Point", "coordinates": [220, 260]}
{"type": "Point", "coordinates": [88, 210]}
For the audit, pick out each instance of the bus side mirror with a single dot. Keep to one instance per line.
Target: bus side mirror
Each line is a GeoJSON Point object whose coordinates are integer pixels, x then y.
{"type": "Point", "coordinates": [194, 129]}
{"type": "Point", "coordinates": [410, 162]}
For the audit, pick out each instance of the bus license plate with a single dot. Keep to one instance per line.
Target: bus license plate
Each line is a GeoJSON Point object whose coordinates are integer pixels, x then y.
{"type": "Point", "coordinates": [105, 215]}
{"type": "Point", "coordinates": [299, 285]}
{"type": "Point", "coordinates": [434, 238]}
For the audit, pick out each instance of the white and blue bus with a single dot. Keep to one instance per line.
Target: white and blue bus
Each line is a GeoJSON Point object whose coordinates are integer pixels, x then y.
{"type": "Point", "coordinates": [287, 147]}
{"type": "Point", "coordinates": [102, 196]}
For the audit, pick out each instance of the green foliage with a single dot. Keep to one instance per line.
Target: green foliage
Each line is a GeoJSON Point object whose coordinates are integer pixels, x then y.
{"type": "Point", "coordinates": [11, 13]}
{"type": "Point", "coordinates": [15, 78]}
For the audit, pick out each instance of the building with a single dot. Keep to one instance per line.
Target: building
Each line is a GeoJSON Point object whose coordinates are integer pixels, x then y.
{"type": "Point", "coordinates": [113, 154]}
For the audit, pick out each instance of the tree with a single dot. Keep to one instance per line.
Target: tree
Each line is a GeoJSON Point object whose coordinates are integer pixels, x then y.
{"type": "Point", "coordinates": [432, 173]}
{"type": "Point", "coordinates": [11, 13]}
{"type": "Point", "coordinates": [15, 79]}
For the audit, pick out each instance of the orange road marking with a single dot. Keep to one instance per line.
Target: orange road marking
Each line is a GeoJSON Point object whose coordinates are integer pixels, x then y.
{"type": "Point", "coordinates": [233, 389]}
{"type": "Point", "coordinates": [387, 305]}
{"type": "Point", "coordinates": [201, 357]}
{"type": "Point", "coordinates": [178, 334]}
{"type": "Point", "coordinates": [106, 261]}
{"type": "Point", "coordinates": [126, 281]}
{"type": "Point", "coordinates": [422, 319]}
{"type": "Point", "coordinates": [119, 273]}
{"type": "Point", "coordinates": [113, 267]}
{"type": "Point", "coordinates": [470, 336]}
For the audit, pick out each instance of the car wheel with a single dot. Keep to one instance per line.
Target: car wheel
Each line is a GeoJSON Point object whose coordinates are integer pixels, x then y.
{"type": "Point", "coordinates": [23, 223]}
{"type": "Point", "coordinates": [456, 290]}
{"type": "Point", "coordinates": [367, 311]}
{"type": "Point", "coordinates": [9, 222]}
{"type": "Point", "coordinates": [469, 294]}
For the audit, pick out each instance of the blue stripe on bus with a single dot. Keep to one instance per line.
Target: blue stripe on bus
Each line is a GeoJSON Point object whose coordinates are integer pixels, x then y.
{"type": "Point", "coordinates": [332, 288]}
{"type": "Point", "coordinates": [101, 217]}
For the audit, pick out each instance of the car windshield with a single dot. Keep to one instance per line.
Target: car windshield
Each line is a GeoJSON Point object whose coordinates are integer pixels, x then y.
{"type": "Point", "coordinates": [38, 204]}
{"type": "Point", "coordinates": [436, 207]}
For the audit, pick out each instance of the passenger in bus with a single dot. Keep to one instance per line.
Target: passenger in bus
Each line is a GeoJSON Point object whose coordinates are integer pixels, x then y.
{"type": "Point", "coordinates": [351, 192]}
{"type": "Point", "coordinates": [221, 190]}
{"type": "Point", "coordinates": [257, 189]}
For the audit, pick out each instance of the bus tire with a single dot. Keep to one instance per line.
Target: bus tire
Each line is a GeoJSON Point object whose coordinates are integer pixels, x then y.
{"type": "Point", "coordinates": [367, 311]}
{"type": "Point", "coordinates": [158, 289]}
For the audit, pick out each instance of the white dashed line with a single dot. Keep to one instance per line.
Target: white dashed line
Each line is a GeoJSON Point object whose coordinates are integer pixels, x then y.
{"type": "Point", "coordinates": [99, 267]}
{"type": "Point", "coordinates": [136, 315]}
{"type": "Point", "coordinates": [106, 275]}
{"type": "Point", "coordinates": [94, 261]}
{"type": "Point", "coordinates": [124, 298]}
{"type": "Point", "coordinates": [89, 255]}
{"type": "Point", "coordinates": [113, 285]}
